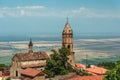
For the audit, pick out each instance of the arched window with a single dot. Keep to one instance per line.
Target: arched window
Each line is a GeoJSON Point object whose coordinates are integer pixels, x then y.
{"type": "Point", "coordinates": [16, 73]}
{"type": "Point", "coordinates": [68, 46]}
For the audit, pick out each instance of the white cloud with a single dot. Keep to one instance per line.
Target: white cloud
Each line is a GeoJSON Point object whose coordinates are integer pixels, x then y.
{"type": "Point", "coordinates": [30, 7]}
{"type": "Point", "coordinates": [20, 11]}
{"type": "Point", "coordinates": [82, 11]}
{"type": "Point", "coordinates": [1, 15]}
{"type": "Point", "coordinates": [90, 13]}
{"type": "Point", "coordinates": [24, 13]}
{"type": "Point", "coordinates": [23, 7]}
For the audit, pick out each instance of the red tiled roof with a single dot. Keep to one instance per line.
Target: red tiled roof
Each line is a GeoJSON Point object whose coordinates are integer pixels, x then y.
{"type": "Point", "coordinates": [87, 77]}
{"type": "Point", "coordinates": [31, 72]}
{"type": "Point", "coordinates": [96, 70]}
{"type": "Point", "coordinates": [30, 56]}
{"type": "Point", "coordinates": [6, 74]}
{"type": "Point", "coordinates": [78, 65]}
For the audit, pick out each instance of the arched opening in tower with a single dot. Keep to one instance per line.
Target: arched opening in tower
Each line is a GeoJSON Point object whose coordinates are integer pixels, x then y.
{"type": "Point", "coordinates": [68, 46]}
{"type": "Point", "coordinates": [16, 73]}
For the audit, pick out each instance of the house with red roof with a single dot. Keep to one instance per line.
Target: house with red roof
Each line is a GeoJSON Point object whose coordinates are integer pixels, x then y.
{"type": "Point", "coordinates": [32, 74]}
{"type": "Point", "coordinates": [94, 70]}
{"type": "Point", "coordinates": [97, 77]}
{"type": "Point", "coordinates": [23, 62]}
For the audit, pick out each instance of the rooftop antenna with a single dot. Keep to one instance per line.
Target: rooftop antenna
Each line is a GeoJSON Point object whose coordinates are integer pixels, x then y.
{"type": "Point", "coordinates": [86, 59]}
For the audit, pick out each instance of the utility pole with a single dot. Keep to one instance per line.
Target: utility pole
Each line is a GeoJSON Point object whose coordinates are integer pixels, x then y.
{"type": "Point", "coordinates": [86, 60]}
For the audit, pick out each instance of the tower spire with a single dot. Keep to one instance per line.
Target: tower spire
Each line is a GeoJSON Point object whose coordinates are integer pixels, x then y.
{"type": "Point", "coordinates": [30, 46]}
{"type": "Point", "coordinates": [67, 19]}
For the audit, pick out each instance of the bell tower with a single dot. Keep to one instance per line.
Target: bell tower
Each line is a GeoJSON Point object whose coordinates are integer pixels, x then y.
{"type": "Point", "coordinates": [67, 41]}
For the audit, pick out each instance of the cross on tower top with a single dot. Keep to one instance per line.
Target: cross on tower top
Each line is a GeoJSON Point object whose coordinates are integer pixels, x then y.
{"type": "Point", "coordinates": [67, 19]}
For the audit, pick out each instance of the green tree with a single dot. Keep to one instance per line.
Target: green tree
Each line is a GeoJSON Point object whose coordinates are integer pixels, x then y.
{"type": "Point", "coordinates": [56, 64]}
{"type": "Point", "coordinates": [107, 65]}
{"type": "Point", "coordinates": [114, 74]}
{"type": "Point", "coordinates": [64, 52]}
{"type": "Point", "coordinates": [2, 65]}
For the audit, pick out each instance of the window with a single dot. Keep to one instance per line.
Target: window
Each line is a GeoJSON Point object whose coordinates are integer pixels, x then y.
{"type": "Point", "coordinates": [16, 73]}
{"type": "Point", "coordinates": [68, 46]}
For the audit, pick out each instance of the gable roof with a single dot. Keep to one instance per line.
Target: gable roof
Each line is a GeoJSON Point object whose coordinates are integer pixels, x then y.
{"type": "Point", "coordinates": [30, 56]}
{"type": "Point", "coordinates": [31, 72]}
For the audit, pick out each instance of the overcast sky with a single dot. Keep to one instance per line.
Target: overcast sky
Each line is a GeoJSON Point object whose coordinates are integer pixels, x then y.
{"type": "Point", "coordinates": [49, 16]}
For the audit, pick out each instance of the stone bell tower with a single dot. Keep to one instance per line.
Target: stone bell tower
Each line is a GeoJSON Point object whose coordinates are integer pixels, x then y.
{"type": "Point", "coordinates": [67, 41]}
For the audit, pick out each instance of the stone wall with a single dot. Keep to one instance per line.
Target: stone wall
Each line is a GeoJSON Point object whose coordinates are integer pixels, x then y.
{"type": "Point", "coordinates": [33, 63]}
{"type": "Point", "coordinates": [16, 67]}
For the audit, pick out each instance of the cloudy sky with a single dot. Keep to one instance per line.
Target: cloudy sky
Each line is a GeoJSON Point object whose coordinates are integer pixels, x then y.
{"type": "Point", "coordinates": [28, 17]}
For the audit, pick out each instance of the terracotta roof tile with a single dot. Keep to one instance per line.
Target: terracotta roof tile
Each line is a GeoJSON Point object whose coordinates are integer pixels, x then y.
{"type": "Point", "coordinates": [30, 56]}
{"type": "Point", "coordinates": [6, 74]}
{"type": "Point", "coordinates": [96, 70]}
{"type": "Point", "coordinates": [78, 65]}
{"type": "Point", "coordinates": [87, 77]}
{"type": "Point", "coordinates": [31, 72]}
